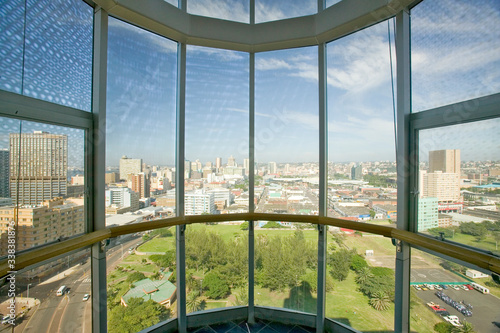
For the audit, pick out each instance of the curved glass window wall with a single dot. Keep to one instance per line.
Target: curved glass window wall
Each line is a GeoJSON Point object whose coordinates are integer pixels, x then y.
{"type": "Point", "coordinates": [260, 268]}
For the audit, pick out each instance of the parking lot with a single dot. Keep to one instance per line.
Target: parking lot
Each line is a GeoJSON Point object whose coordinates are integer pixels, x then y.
{"type": "Point", "coordinates": [486, 307]}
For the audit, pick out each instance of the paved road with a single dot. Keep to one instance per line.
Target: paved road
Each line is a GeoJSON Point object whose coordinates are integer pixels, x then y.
{"type": "Point", "coordinates": [69, 313]}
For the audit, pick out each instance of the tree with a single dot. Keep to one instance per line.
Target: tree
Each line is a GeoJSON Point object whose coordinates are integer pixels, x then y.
{"type": "Point", "coordinates": [443, 327]}
{"type": "Point", "coordinates": [215, 287]}
{"type": "Point", "coordinates": [136, 316]}
{"type": "Point", "coordinates": [340, 261]}
{"type": "Point", "coordinates": [496, 236]}
{"type": "Point", "coordinates": [364, 275]}
{"type": "Point", "coordinates": [194, 302]}
{"type": "Point", "coordinates": [244, 225]}
{"type": "Point", "coordinates": [474, 229]}
{"type": "Point", "coordinates": [380, 301]}
{"type": "Point", "coordinates": [358, 263]}
{"type": "Point", "coordinates": [135, 276]}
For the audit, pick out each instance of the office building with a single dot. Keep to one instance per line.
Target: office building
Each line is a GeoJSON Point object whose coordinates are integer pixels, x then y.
{"type": "Point", "coordinates": [129, 166]}
{"type": "Point", "coordinates": [4, 173]}
{"type": "Point", "coordinates": [141, 184]}
{"type": "Point", "coordinates": [272, 168]}
{"type": "Point", "coordinates": [443, 186]}
{"type": "Point", "coordinates": [122, 198]}
{"type": "Point", "coordinates": [218, 163]}
{"type": "Point", "coordinates": [446, 161]}
{"type": "Point", "coordinates": [52, 220]}
{"type": "Point", "coordinates": [427, 213]}
{"type": "Point", "coordinates": [111, 177]}
{"type": "Point", "coordinates": [231, 162]}
{"type": "Point", "coordinates": [38, 167]}
{"type": "Point", "coordinates": [198, 203]}
{"type": "Point", "coordinates": [356, 172]}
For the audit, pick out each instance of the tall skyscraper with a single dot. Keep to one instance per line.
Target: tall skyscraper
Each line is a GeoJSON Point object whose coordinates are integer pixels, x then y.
{"type": "Point", "coordinates": [4, 173]}
{"type": "Point", "coordinates": [272, 167]}
{"type": "Point", "coordinates": [246, 165]}
{"type": "Point", "coordinates": [129, 166]}
{"type": "Point", "coordinates": [357, 172]}
{"type": "Point", "coordinates": [231, 161]}
{"type": "Point", "coordinates": [446, 161]}
{"type": "Point", "coordinates": [38, 166]}
{"type": "Point", "coordinates": [141, 184]}
{"type": "Point", "coordinates": [218, 162]}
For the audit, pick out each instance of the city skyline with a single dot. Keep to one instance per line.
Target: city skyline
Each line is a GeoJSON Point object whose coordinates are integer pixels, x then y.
{"type": "Point", "coordinates": [142, 80]}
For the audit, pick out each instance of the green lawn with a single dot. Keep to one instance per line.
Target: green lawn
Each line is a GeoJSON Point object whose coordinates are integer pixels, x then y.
{"type": "Point", "coordinates": [487, 244]}
{"type": "Point", "coordinates": [158, 244]}
{"type": "Point", "coordinates": [381, 246]}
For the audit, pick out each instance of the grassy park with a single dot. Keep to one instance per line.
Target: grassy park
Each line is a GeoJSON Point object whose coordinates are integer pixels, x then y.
{"type": "Point", "coordinates": [344, 303]}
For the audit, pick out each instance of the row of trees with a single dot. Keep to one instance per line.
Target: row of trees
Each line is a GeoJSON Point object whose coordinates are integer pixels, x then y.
{"type": "Point", "coordinates": [478, 230]}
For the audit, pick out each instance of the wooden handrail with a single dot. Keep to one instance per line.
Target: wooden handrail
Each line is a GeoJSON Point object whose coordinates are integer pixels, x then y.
{"type": "Point", "coordinates": [37, 255]}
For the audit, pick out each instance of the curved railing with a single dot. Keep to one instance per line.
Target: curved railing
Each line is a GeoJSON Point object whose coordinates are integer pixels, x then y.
{"type": "Point", "coordinates": [30, 257]}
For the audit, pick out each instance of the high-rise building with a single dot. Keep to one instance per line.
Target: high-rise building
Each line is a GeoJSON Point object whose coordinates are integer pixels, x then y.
{"type": "Point", "coordinates": [357, 172]}
{"type": "Point", "coordinates": [48, 222]}
{"type": "Point", "coordinates": [198, 203]}
{"type": "Point", "coordinates": [122, 197]}
{"type": "Point", "coordinates": [246, 165]}
{"type": "Point", "coordinates": [4, 173]}
{"type": "Point", "coordinates": [446, 161]}
{"type": "Point", "coordinates": [38, 166]}
{"type": "Point", "coordinates": [272, 168]}
{"type": "Point", "coordinates": [218, 162]}
{"type": "Point", "coordinates": [129, 166]}
{"type": "Point", "coordinates": [443, 186]}
{"type": "Point", "coordinates": [140, 183]}
{"type": "Point", "coordinates": [111, 177]}
{"type": "Point", "coordinates": [231, 161]}
{"type": "Point", "coordinates": [427, 213]}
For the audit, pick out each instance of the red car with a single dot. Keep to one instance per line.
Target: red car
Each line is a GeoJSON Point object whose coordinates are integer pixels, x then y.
{"type": "Point", "coordinates": [468, 287]}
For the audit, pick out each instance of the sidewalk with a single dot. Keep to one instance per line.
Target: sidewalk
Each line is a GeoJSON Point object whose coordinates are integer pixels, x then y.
{"type": "Point", "coordinates": [59, 276]}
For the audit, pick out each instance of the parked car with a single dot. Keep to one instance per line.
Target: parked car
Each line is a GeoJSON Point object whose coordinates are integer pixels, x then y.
{"type": "Point", "coordinates": [86, 297]}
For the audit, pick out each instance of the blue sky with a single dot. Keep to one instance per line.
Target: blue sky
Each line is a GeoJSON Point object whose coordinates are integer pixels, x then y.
{"type": "Point", "coordinates": [455, 56]}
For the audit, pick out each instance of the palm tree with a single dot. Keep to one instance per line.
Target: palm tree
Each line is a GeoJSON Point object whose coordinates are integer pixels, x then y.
{"type": "Point", "coordinates": [194, 302]}
{"type": "Point", "coordinates": [380, 301]}
{"type": "Point", "coordinates": [364, 275]}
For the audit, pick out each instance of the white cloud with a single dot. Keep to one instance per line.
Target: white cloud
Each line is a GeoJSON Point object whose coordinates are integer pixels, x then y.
{"type": "Point", "coordinates": [145, 37]}
{"type": "Point", "coordinates": [263, 64]}
{"type": "Point", "coordinates": [222, 9]}
{"type": "Point", "coordinates": [220, 54]}
{"type": "Point", "coordinates": [360, 62]}
{"type": "Point", "coordinates": [246, 111]}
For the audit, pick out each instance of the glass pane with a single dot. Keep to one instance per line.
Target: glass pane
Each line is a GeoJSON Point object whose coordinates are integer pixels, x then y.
{"type": "Point", "coordinates": [362, 155]}
{"type": "Point", "coordinates": [58, 56]}
{"type": "Point", "coordinates": [286, 263]}
{"type": "Point", "coordinates": [232, 10]}
{"type": "Point", "coordinates": [360, 280]}
{"type": "Point", "coordinates": [11, 40]}
{"type": "Point", "coordinates": [454, 52]}
{"type": "Point", "coordinates": [54, 297]}
{"type": "Point", "coordinates": [216, 166]}
{"type": "Point", "coordinates": [39, 163]}
{"type": "Point", "coordinates": [216, 266]}
{"type": "Point", "coordinates": [447, 296]}
{"type": "Point", "coordinates": [140, 124]}
{"type": "Point", "coordinates": [331, 2]}
{"type": "Point", "coordinates": [459, 182]}
{"type": "Point", "coordinates": [266, 10]}
{"type": "Point", "coordinates": [286, 131]}
{"type": "Point", "coordinates": [141, 280]}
